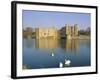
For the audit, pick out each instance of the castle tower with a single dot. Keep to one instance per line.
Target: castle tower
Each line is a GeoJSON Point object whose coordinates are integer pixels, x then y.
{"type": "Point", "coordinates": [68, 31]}
{"type": "Point", "coordinates": [75, 30]}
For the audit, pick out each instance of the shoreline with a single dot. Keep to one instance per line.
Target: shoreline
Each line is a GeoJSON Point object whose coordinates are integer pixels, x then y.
{"type": "Point", "coordinates": [81, 37]}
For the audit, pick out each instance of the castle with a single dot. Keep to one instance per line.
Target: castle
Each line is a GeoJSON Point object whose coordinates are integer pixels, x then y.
{"type": "Point", "coordinates": [69, 31]}
{"type": "Point", "coordinates": [46, 33]}
{"type": "Point", "coordinates": [65, 32]}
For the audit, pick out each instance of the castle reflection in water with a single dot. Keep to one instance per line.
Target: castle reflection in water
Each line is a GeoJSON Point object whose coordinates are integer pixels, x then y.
{"type": "Point", "coordinates": [55, 53]}
{"type": "Point", "coordinates": [71, 45]}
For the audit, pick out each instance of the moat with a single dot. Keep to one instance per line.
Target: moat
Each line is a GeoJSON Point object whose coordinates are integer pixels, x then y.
{"type": "Point", "coordinates": [50, 53]}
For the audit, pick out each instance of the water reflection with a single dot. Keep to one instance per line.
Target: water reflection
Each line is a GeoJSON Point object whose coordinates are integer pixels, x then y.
{"type": "Point", "coordinates": [54, 53]}
{"type": "Point", "coordinates": [29, 43]}
{"type": "Point", "coordinates": [47, 43]}
{"type": "Point", "coordinates": [52, 44]}
{"type": "Point", "coordinates": [71, 45]}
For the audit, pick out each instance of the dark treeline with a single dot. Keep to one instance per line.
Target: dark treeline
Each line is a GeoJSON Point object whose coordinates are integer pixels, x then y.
{"type": "Point", "coordinates": [85, 32]}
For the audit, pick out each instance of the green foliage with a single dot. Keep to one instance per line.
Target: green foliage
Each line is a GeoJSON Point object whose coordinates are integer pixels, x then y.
{"type": "Point", "coordinates": [85, 32]}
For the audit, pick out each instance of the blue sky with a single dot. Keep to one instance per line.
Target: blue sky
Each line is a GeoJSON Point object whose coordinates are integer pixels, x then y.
{"type": "Point", "coordinates": [36, 19]}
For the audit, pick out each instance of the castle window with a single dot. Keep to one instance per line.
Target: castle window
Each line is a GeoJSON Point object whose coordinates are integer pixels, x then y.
{"type": "Point", "coordinates": [44, 33]}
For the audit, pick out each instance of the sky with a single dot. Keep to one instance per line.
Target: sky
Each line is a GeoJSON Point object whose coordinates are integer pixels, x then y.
{"type": "Point", "coordinates": [35, 19]}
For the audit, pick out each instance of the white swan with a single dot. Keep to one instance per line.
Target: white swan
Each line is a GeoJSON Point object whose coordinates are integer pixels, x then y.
{"type": "Point", "coordinates": [67, 62]}
{"type": "Point", "coordinates": [52, 54]}
{"type": "Point", "coordinates": [60, 64]}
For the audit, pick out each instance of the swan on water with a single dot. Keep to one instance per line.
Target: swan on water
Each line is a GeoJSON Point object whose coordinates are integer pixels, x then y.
{"type": "Point", "coordinates": [67, 62]}
{"type": "Point", "coordinates": [52, 54]}
{"type": "Point", "coordinates": [60, 64]}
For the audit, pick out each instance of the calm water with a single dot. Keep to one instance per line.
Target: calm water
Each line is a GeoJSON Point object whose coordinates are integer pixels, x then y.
{"type": "Point", "coordinates": [49, 53]}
